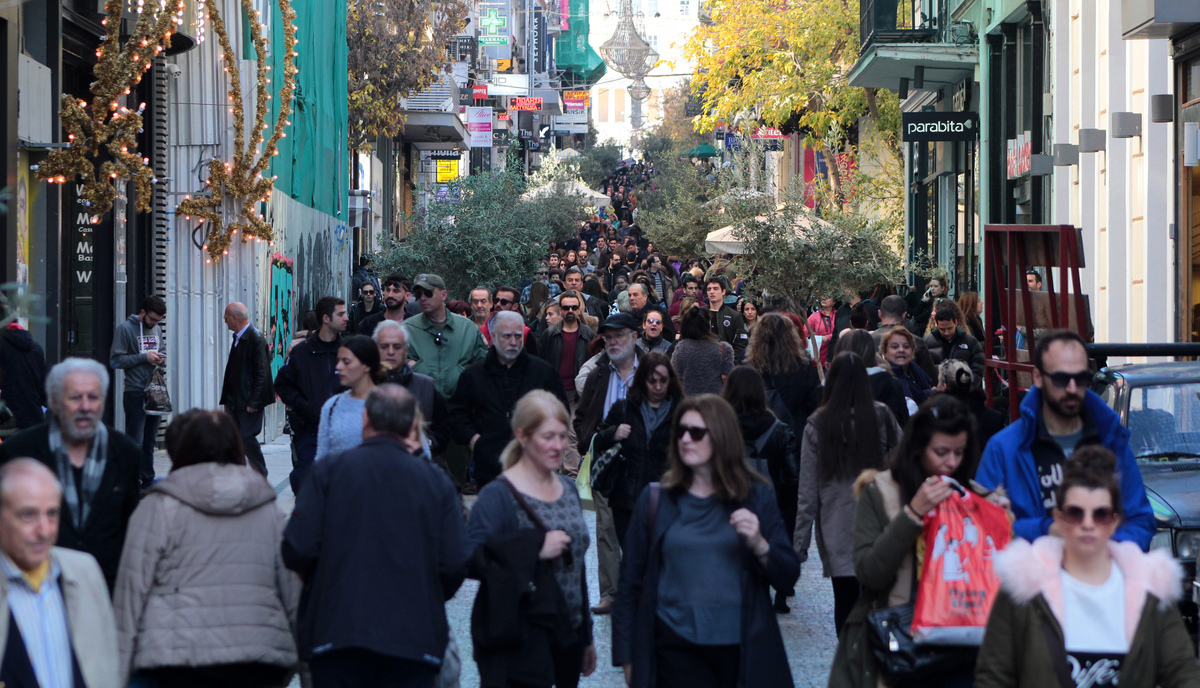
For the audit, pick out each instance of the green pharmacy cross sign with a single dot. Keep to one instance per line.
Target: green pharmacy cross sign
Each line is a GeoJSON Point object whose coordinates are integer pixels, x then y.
{"type": "Point", "coordinates": [492, 25]}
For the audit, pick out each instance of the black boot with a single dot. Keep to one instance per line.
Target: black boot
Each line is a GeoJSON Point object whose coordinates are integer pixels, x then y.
{"type": "Point", "coordinates": [781, 606]}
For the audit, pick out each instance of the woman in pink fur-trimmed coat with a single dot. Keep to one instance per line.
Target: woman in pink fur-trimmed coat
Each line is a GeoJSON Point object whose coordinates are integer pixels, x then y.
{"type": "Point", "coordinates": [1079, 610]}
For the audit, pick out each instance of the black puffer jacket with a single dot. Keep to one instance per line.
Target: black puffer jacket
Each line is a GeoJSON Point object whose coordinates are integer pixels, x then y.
{"type": "Point", "coordinates": [782, 452]}
{"type": "Point", "coordinates": [643, 460]}
{"type": "Point", "coordinates": [24, 385]}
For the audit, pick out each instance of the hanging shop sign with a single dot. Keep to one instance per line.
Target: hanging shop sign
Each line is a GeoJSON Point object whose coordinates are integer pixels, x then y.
{"type": "Point", "coordinates": [495, 28]}
{"type": "Point", "coordinates": [526, 104]}
{"type": "Point", "coordinates": [445, 154]}
{"type": "Point", "coordinates": [447, 171]}
{"type": "Point", "coordinates": [479, 125]}
{"type": "Point", "coordinates": [575, 101]}
{"type": "Point", "coordinates": [1019, 160]}
{"type": "Point", "coordinates": [939, 126]}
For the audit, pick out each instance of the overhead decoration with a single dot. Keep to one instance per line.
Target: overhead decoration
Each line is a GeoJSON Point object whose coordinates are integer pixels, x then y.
{"type": "Point", "coordinates": [107, 125]}
{"type": "Point", "coordinates": [235, 187]}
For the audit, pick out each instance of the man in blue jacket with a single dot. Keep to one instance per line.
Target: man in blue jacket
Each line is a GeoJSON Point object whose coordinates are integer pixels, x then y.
{"type": "Point", "coordinates": [1058, 415]}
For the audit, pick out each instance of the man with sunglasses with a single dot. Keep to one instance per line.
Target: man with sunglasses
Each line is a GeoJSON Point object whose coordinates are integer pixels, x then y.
{"type": "Point", "coordinates": [507, 300]}
{"type": "Point", "coordinates": [1059, 415]}
{"type": "Point", "coordinates": [565, 347]}
{"type": "Point", "coordinates": [441, 343]}
{"type": "Point", "coordinates": [396, 306]}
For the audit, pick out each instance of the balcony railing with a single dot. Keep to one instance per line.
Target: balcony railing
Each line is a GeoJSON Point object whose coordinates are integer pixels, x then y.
{"type": "Point", "coordinates": [897, 21]}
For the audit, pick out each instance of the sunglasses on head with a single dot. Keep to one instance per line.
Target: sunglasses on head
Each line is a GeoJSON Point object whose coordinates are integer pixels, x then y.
{"type": "Point", "coordinates": [1101, 516]}
{"type": "Point", "coordinates": [697, 433]}
{"type": "Point", "coordinates": [1082, 380]}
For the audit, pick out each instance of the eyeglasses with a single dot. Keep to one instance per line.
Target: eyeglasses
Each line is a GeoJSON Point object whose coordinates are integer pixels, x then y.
{"type": "Point", "coordinates": [1101, 516]}
{"type": "Point", "coordinates": [570, 308]}
{"type": "Point", "coordinates": [1083, 380]}
{"type": "Point", "coordinates": [696, 433]}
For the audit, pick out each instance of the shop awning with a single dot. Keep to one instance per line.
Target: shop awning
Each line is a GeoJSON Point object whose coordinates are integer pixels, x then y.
{"type": "Point", "coordinates": [883, 64]}
{"type": "Point", "coordinates": [428, 130]}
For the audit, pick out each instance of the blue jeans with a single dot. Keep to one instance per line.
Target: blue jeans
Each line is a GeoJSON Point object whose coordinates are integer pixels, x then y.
{"type": "Point", "coordinates": [142, 429]}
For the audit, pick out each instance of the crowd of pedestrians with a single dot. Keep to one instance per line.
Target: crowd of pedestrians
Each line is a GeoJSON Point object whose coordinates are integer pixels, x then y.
{"type": "Point", "coordinates": [720, 433]}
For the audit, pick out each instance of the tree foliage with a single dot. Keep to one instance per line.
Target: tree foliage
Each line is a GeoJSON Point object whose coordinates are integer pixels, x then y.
{"type": "Point", "coordinates": [397, 48]}
{"type": "Point", "coordinates": [596, 163]}
{"type": "Point", "coordinates": [674, 135]}
{"type": "Point", "coordinates": [480, 233]}
{"type": "Point", "coordinates": [832, 255]}
{"type": "Point", "coordinates": [785, 63]}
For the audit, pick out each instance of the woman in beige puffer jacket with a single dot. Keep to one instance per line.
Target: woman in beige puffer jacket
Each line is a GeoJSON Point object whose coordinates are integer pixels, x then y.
{"type": "Point", "coordinates": [202, 596]}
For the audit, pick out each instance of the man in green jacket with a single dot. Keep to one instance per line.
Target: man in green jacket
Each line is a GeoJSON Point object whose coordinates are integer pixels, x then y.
{"type": "Point", "coordinates": [440, 343]}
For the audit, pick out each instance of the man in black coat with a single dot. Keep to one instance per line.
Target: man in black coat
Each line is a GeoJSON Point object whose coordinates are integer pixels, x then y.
{"type": "Point", "coordinates": [23, 387]}
{"type": "Point", "coordinates": [97, 466]}
{"type": "Point", "coordinates": [377, 534]}
{"type": "Point", "coordinates": [307, 379]}
{"type": "Point", "coordinates": [247, 389]}
{"type": "Point", "coordinates": [488, 391]}
{"type": "Point", "coordinates": [726, 323]}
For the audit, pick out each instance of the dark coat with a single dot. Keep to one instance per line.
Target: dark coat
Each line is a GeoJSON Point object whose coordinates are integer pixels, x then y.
{"type": "Point", "coordinates": [729, 327]}
{"type": "Point", "coordinates": [520, 613]}
{"type": "Point", "coordinates": [551, 344]}
{"type": "Point", "coordinates": [24, 383]}
{"type": "Point", "coordinates": [764, 662]}
{"type": "Point", "coordinates": [307, 380]}
{"type": "Point", "coordinates": [799, 392]}
{"type": "Point", "coordinates": [377, 534]}
{"type": "Point", "coordinates": [103, 535]}
{"type": "Point", "coordinates": [483, 404]}
{"type": "Point", "coordinates": [962, 347]}
{"type": "Point", "coordinates": [781, 450]}
{"type": "Point", "coordinates": [430, 401]}
{"type": "Point", "coordinates": [367, 325]}
{"type": "Point", "coordinates": [360, 312]}
{"type": "Point", "coordinates": [589, 412]}
{"type": "Point", "coordinates": [887, 390]}
{"type": "Point", "coordinates": [642, 460]}
{"type": "Point", "coordinates": [248, 374]}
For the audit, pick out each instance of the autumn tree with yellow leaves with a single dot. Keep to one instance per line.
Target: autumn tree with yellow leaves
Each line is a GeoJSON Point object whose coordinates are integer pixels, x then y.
{"type": "Point", "coordinates": [786, 63]}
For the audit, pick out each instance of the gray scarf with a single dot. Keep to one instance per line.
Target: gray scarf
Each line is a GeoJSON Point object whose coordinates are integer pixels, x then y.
{"type": "Point", "coordinates": [93, 470]}
{"type": "Point", "coordinates": [654, 417]}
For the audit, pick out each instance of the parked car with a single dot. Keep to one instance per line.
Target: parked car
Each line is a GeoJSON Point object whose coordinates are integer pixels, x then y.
{"type": "Point", "coordinates": [1160, 404]}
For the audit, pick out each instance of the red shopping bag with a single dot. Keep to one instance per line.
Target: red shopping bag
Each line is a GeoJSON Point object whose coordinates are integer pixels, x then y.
{"type": "Point", "coordinates": [958, 582]}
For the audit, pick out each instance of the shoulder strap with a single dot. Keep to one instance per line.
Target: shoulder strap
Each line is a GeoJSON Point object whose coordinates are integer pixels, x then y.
{"type": "Point", "coordinates": [521, 501]}
{"type": "Point", "coordinates": [762, 439]}
{"type": "Point", "coordinates": [1058, 654]}
{"type": "Point", "coordinates": [652, 511]}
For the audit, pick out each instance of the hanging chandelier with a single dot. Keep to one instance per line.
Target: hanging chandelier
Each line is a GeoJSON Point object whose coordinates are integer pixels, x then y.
{"type": "Point", "coordinates": [628, 53]}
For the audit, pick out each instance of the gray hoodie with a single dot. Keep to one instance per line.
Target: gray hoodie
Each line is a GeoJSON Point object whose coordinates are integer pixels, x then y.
{"type": "Point", "coordinates": [129, 356]}
{"type": "Point", "coordinates": [202, 580]}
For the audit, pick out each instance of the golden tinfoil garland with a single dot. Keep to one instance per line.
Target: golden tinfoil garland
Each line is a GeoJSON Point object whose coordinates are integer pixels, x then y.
{"type": "Point", "coordinates": [241, 181]}
{"type": "Point", "coordinates": [110, 125]}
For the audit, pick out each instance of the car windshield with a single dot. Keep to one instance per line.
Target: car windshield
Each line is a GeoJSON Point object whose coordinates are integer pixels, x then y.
{"type": "Point", "coordinates": [1164, 421]}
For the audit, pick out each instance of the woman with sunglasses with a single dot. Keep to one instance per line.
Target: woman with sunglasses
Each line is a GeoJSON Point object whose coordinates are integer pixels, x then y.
{"type": "Point", "coordinates": [693, 607]}
{"type": "Point", "coordinates": [889, 513]}
{"type": "Point", "coordinates": [359, 368]}
{"type": "Point", "coordinates": [641, 422]}
{"type": "Point", "coordinates": [530, 626]}
{"type": "Point", "coordinates": [1080, 604]}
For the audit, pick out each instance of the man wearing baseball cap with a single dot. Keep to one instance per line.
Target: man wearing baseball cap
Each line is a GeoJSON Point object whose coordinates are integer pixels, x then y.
{"type": "Point", "coordinates": [441, 343]}
{"type": "Point", "coordinates": [607, 384]}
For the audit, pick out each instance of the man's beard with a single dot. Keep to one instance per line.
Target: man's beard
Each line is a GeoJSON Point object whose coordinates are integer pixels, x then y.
{"type": "Point", "coordinates": [392, 303]}
{"type": "Point", "coordinates": [1057, 407]}
{"type": "Point", "coordinates": [72, 433]}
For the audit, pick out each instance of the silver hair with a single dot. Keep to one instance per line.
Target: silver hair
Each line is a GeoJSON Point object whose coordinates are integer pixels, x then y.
{"type": "Point", "coordinates": [387, 326]}
{"type": "Point", "coordinates": [25, 466]}
{"type": "Point", "coordinates": [56, 378]}
{"type": "Point", "coordinates": [503, 316]}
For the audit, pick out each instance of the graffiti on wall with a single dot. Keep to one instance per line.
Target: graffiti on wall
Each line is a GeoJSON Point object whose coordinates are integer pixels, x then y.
{"type": "Point", "coordinates": [281, 310]}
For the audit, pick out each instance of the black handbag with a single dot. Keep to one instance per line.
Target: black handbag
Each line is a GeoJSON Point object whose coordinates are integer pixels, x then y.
{"type": "Point", "coordinates": [901, 660]}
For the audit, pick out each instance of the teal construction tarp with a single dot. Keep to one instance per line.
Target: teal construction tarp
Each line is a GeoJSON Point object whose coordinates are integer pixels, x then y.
{"type": "Point", "coordinates": [582, 65]}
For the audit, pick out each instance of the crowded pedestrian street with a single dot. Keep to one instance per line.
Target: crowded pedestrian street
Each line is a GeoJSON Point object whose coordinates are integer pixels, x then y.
{"type": "Point", "coordinates": [622, 344]}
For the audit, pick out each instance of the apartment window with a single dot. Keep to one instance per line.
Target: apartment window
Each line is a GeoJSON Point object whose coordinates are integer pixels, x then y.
{"type": "Point", "coordinates": [602, 103]}
{"type": "Point", "coordinates": [685, 8]}
{"type": "Point", "coordinates": [619, 104]}
{"type": "Point", "coordinates": [653, 42]}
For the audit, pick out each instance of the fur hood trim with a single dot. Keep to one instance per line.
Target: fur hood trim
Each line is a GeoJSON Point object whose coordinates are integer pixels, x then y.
{"type": "Point", "coordinates": [865, 478]}
{"type": "Point", "coordinates": [1027, 570]}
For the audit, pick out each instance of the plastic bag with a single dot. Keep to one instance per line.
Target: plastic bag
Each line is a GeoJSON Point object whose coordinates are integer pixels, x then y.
{"type": "Point", "coordinates": [156, 401]}
{"type": "Point", "coordinates": [583, 480]}
{"type": "Point", "coordinates": [958, 581]}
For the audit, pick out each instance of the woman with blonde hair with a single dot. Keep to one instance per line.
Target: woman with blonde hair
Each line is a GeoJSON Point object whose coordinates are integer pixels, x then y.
{"type": "Point", "coordinates": [705, 546]}
{"type": "Point", "coordinates": [528, 540]}
{"type": "Point", "coordinates": [972, 308]}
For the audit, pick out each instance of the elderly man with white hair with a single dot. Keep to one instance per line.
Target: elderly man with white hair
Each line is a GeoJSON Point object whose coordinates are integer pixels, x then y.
{"type": "Point", "coordinates": [392, 341]}
{"type": "Point", "coordinates": [97, 465]}
{"type": "Point", "coordinates": [59, 629]}
{"type": "Point", "coordinates": [488, 391]}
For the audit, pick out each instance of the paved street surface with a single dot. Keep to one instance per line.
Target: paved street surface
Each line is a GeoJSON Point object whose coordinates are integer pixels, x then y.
{"type": "Point", "coordinates": [807, 630]}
